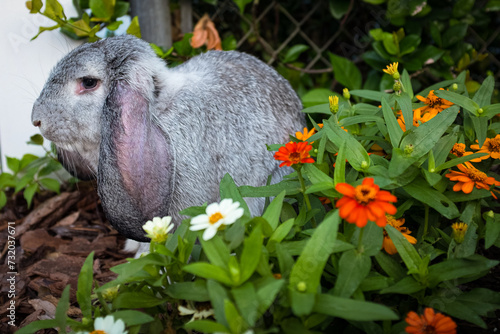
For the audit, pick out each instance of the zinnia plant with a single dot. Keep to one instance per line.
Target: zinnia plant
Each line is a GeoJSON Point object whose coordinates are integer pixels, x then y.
{"type": "Point", "coordinates": [294, 154]}
{"type": "Point", "coordinates": [469, 176]}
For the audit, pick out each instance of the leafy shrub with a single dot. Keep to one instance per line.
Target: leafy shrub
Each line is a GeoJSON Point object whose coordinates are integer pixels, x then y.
{"type": "Point", "coordinates": [30, 174]}
{"type": "Point", "coordinates": [305, 265]}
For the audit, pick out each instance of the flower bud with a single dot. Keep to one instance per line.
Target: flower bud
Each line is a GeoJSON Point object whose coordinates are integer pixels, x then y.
{"type": "Point", "coordinates": [346, 93]}
{"type": "Point", "coordinates": [364, 164]}
{"type": "Point", "coordinates": [110, 294]}
{"type": "Point", "coordinates": [480, 111]}
{"type": "Point", "coordinates": [459, 230]}
{"type": "Point", "coordinates": [396, 76]}
{"type": "Point", "coordinates": [454, 86]}
{"type": "Point", "coordinates": [408, 149]}
{"type": "Point", "coordinates": [334, 104]}
{"type": "Point", "coordinates": [397, 86]}
{"type": "Point", "coordinates": [490, 214]}
{"type": "Point", "coordinates": [302, 286]}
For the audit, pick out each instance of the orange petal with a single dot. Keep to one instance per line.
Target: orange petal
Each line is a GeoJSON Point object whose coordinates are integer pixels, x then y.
{"type": "Point", "coordinates": [467, 187]}
{"type": "Point", "coordinates": [345, 189]}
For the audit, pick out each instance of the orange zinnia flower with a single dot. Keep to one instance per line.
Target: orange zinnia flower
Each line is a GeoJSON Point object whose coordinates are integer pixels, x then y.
{"type": "Point", "coordinates": [205, 33]}
{"type": "Point", "coordinates": [430, 323]}
{"type": "Point", "coordinates": [433, 103]}
{"type": "Point", "coordinates": [305, 135]}
{"type": "Point", "coordinates": [459, 150]}
{"type": "Point", "coordinates": [365, 202]}
{"type": "Point", "coordinates": [388, 245]}
{"type": "Point", "coordinates": [490, 146]}
{"type": "Point", "coordinates": [294, 153]}
{"type": "Point", "coordinates": [470, 177]}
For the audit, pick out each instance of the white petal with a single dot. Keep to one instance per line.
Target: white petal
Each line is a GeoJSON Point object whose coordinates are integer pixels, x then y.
{"type": "Point", "coordinates": [212, 208]}
{"type": "Point", "coordinates": [201, 219]}
{"type": "Point", "coordinates": [209, 233]}
{"type": "Point", "coordinates": [166, 220]}
{"type": "Point", "coordinates": [169, 228]}
{"type": "Point", "coordinates": [199, 227]}
{"type": "Point", "coordinates": [185, 311]}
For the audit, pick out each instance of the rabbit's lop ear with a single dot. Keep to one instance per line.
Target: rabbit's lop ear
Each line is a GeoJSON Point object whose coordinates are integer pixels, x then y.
{"type": "Point", "coordinates": [135, 163]}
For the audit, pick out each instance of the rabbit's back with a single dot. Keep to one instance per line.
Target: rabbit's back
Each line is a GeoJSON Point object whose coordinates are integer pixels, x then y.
{"type": "Point", "coordinates": [227, 108]}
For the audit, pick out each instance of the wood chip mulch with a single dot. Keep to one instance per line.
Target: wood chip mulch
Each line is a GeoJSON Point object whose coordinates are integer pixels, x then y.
{"type": "Point", "coordinates": [52, 240]}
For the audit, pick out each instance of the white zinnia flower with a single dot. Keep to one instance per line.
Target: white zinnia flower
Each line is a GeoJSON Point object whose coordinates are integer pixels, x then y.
{"type": "Point", "coordinates": [217, 214]}
{"type": "Point", "coordinates": [109, 326]}
{"type": "Point", "coordinates": [157, 229]}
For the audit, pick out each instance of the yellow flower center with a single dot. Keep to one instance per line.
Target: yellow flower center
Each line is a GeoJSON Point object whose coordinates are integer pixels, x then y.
{"type": "Point", "coordinates": [476, 175]}
{"type": "Point", "coordinates": [365, 194]}
{"type": "Point", "coordinates": [459, 227]}
{"type": "Point", "coordinates": [458, 149]}
{"type": "Point", "coordinates": [98, 332]}
{"type": "Point", "coordinates": [494, 145]}
{"type": "Point", "coordinates": [295, 157]}
{"type": "Point", "coordinates": [215, 218]}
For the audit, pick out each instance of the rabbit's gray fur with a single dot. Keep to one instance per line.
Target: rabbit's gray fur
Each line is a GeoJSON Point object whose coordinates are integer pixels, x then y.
{"type": "Point", "coordinates": [160, 139]}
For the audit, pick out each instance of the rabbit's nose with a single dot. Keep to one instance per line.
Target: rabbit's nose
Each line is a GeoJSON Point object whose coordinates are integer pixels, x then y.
{"type": "Point", "coordinates": [37, 123]}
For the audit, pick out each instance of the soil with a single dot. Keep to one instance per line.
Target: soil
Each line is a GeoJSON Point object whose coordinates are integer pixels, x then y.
{"type": "Point", "coordinates": [55, 235]}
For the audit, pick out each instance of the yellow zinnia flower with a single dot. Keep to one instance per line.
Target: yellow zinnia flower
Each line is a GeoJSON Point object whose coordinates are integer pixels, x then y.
{"type": "Point", "coordinates": [392, 69]}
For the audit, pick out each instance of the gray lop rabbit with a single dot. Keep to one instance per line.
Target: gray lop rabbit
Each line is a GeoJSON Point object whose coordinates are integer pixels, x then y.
{"type": "Point", "coordinates": [160, 139]}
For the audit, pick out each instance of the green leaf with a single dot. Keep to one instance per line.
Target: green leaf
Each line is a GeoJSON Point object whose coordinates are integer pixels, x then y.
{"type": "Point", "coordinates": [136, 300]}
{"type": "Point", "coordinates": [291, 187]}
{"type": "Point", "coordinates": [216, 251]}
{"type": "Point", "coordinates": [409, 44]}
{"type": "Point", "coordinates": [29, 192]}
{"type": "Point", "coordinates": [36, 139]}
{"type": "Point", "coordinates": [454, 34]}
{"type": "Point", "coordinates": [481, 128]}
{"type": "Point", "coordinates": [250, 256]}
{"type": "Point", "coordinates": [350, 309]}
{"type": "Point", "coordinates": [273, 211]}
{"type": "Point", "coordinates": [406, 81]}
{"type": "Point", "coordinates": [423, 138]}
{"type": "Point", "coordinates": [196, 291]}
{"type": "Point", "coordinates": [13, 164]}
{"type": "Point", "coordinates": [302, 302]}
{"type": "Point", "coordinates": [294, 52]}
{"type": "Point", "coordinates": [458, 161]}
{"type": "Point", "coordinates": [242, 4]}
{"type": "Point", "coordinates": [393, 128]}
{"type": "Point", "coordinates": [459, 267]}
{"type": "Point", "coordinates": [406, 250]}
{"type": "Point", "coordinates": [310, 264]}
{"type": "Point", "coordinates": [318, 109]}
{"type": "Point", "coordinates": [339, 171]}
{"type": "Point", "coordinates": [345, 72]}
{"type": "Point", "coordinates": [245, 297]}
{"type": "Point", "coordinates": [234, 319]}
{"type": "Point", "coordinates": [229, 189]}
{"type": "Point", "coordinates": [316, 176]}
{"type": "Point", "coordinates": [3, 199]}
{"type": "Point", "coordinates": [484, 93]}
{"type": "Point", "coordinates": [35, 326]}
{"type": "Point", "coordinates": [54, 10]}
{"type": "Point", "coordinates": [279, 234]}
{"type": "Point", "coordinates": [62, 310]}
{"type": "Point", "coordinates": [208, 271]}
{"type": "Point", "coordinates": [134, 29]}
{"type": "Point", "coordinates": [390, 266]}
{"type": "Point", "coordinates": [370, 94]}
{"type": "Point", "coordinates": [132, 317]}
{"type": "Point", "coordinates": [121, 9]}
{"type": "Point", "coordinates": [217, 295]}
{"type": "Point", "coordinates": [50, 184]}
{"type": "Point", "coordinates": [404, 101]}
{"type": "Point", "coordinates": [492, 229]}
{"type": "Point", "coordinates": [443, 147]}
{"type": "Point", "coordinates": [317, 96]}
{"type": "Point", "coordinates": [491, 111]}
{"type": "Point", "coordinates": [85, 281]}
{"type": "Point", "coordinates": [407, 286]}
{"type": "Point", "coordinates": [267, 290]}
{"type": "Point", "coordinates": [338, 8]}
{"type": "Point", "coordinates": [356, 155]}
{"type": "Point", "coordinates": [353, 268]}
{"type": "Point", "coordinates": [436, 200]}
{"type": "Point", "coordinates": [206, 326]}
{"type": "Point", "coordinates": [102, 8]}
{"type": "Point", "coordinates": [463, 101]}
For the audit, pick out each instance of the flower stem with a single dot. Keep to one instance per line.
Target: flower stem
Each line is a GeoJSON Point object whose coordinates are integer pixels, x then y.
{"type": "Point", "coordinates": [306, 197]}
{"type": "Point", "coordinates": [360, 245]}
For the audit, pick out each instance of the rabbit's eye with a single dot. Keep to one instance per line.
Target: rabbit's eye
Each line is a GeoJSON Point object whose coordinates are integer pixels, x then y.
{"type": "Point", "coordinates": [89, 83]}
